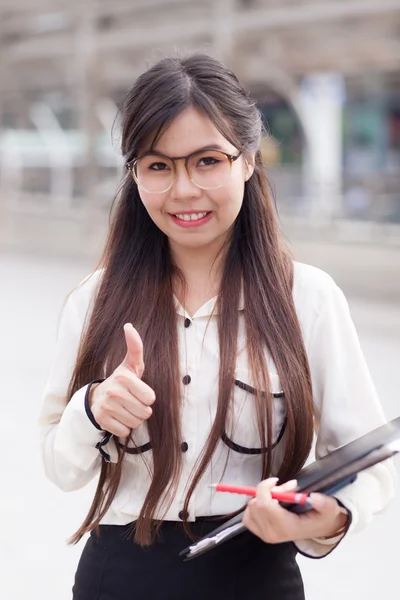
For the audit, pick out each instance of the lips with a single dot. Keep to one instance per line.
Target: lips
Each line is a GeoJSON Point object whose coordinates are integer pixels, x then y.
{"type": "Point", "coordinates": [192, 218]}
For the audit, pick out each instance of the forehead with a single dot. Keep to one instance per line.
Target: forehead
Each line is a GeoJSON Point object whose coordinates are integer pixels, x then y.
{"type": "Point", "coordinates": [188, 132]}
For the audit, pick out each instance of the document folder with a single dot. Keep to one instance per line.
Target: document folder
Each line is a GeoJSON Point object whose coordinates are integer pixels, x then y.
{"type": "Point", "coordinates": [326, 475]}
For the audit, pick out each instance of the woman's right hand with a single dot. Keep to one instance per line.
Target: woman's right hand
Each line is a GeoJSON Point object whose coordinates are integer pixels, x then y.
{"type": "Point", "coordinates": [122, 401]}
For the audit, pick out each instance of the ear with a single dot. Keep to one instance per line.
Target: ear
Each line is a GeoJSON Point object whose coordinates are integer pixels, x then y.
{"type": "Point", "coordinates": [249, 167]}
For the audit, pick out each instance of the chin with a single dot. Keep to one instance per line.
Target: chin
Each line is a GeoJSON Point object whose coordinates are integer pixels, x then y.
{"type": "Point", "coordinates": [187, 243]}
{"type": "Point", "coordinates": [192, 241]}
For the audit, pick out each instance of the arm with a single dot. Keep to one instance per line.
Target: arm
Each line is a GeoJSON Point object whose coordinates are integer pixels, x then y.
{"type": "Point", "coordinates": [346, 406]}
{"type": "Point", "coordinates": [68, 436]}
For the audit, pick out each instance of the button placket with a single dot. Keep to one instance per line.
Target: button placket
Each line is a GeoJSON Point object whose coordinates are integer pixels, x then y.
{"type": "Point", "coordinates": [189, 381]}
{"type": "Point", "coordinates": [190, 340]}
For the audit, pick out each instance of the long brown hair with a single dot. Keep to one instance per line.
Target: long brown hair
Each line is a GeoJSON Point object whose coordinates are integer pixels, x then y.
{"type": "Point", "coordinates": [137, 287]}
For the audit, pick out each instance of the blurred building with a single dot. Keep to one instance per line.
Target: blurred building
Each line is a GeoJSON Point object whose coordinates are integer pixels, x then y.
{"type": "Point", "coordinates": [326, 74]}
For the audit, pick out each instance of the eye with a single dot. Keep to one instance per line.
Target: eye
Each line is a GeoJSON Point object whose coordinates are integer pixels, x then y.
{"type": "Point", "coordinates": [158, 166]}
{"type": "Point", "coordinates": [208, 161]}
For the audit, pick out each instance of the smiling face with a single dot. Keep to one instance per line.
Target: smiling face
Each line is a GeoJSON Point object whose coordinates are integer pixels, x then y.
{"type": "Point", "coordinates": [190, 216]}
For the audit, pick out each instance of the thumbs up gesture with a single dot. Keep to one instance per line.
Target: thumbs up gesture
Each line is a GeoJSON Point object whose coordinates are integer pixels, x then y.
{"type": "Point", "coordinates": [122, 401]}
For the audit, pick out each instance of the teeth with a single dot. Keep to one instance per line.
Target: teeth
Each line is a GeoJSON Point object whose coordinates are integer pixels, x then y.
{"type": "Point", "coordinates": [191, 217]}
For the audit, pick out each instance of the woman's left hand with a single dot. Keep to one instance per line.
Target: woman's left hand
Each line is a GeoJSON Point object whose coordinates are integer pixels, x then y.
{"type": "Point", "coordinates": [274, 524]}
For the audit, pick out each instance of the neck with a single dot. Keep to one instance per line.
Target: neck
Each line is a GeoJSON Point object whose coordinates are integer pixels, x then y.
{"type": "Point", "coordinates": [201, 267]}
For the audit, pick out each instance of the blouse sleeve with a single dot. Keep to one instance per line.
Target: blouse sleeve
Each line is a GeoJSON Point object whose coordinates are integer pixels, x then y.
{"type": "Point", "coordinates": [346, 406]}
{"type": "Point", "coordinates": [68, 435]}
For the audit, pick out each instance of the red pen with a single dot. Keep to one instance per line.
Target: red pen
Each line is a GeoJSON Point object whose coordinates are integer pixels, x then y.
{"type": "Point", "coordinates": [291, 497]}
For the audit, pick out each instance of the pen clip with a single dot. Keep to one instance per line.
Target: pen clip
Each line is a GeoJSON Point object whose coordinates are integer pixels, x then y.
{"type": "Point", "coordinates": [201, 545]}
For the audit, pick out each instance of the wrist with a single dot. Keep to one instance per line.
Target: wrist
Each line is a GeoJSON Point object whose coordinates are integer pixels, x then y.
{"type": "Point", "coordinates": [91, 393]}
{"type": "Point", "coordinates": [89, 399]}
{"type": "Point", "coordinates": [342, 522]}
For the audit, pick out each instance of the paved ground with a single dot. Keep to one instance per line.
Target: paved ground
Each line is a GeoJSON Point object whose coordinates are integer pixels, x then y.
{"type": "Point", "coordinates": [363, 257]}
{"type": "Point", "coordinates": [36, 518]}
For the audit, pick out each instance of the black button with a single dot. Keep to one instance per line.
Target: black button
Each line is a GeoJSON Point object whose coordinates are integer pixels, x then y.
{"type": "Point", "coordinates": [183, 514]}
{"type": "Point", "coordinates": [187, 379]}
{"type": "Point", "coordinates": [187, 323]}
{"type": "Point", "coordinates": [184, 446]}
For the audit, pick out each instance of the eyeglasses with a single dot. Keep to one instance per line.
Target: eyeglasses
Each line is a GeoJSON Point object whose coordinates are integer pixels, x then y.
{"type": "Point", "coordinates": [208, 169]}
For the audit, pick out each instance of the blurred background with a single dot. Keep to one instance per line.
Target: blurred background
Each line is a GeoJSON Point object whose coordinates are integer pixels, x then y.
{"type": "Point", "coordinates": [326, 75]}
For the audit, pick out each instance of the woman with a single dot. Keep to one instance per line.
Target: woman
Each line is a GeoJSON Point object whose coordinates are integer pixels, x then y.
{"type": "Point", "coordinates": [198, 353]}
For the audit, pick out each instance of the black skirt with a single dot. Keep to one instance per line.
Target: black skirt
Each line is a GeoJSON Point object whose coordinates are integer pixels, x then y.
{"type": "Point", "coordinates": [113, 567]}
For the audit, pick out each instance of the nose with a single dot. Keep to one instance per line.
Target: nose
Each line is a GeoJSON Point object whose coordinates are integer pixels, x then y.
{"type": "Point", "coordinates": [183, 187]}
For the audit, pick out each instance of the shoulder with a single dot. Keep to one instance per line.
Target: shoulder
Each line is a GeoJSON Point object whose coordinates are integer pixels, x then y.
{"type": "Point", "coordinates": [311, 284]}
{"type": "Point", "coordinates": [314, 292]}
{"type": "Point", "coordinates": [82, 297]}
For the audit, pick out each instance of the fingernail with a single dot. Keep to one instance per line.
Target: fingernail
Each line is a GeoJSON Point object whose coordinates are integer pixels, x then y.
{"type": "Point", "coordinates": [273, 480]}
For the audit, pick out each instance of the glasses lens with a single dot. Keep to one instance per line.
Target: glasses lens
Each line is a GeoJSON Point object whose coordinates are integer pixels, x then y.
{"type": "Point", "coordinates": [153, 173]}
{"type": "Point", "coordinates": [209, 169]}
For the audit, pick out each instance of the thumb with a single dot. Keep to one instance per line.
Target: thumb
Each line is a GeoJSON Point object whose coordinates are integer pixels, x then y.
{"type": "Point", "coordinates": [318, 501]}
{"type": "Point", "coordinates": [134, 350]}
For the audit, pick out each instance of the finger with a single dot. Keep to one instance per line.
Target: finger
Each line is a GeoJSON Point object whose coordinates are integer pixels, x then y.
{"type": "Point", "coordinates": [320, 502]}
{"type": "Point", "coordinates": [249, 522]}
{"type": "Point", "coordinates": [116, 428]}
{"type": "Point", "coordinates": [136, 387]}
{"type": "Point", "coordinates": [268, 521]}
{"type": "Point", "coordinates": [128, 410]}
{"type": "Point", "coordinates": [268, 483]}
{"type": "Point", "coordinates": [114, 407]}
{"type": "Point", "coordinates": [137, 410]}
{"type": "Point", "coordinates": [134, 350]}
{"type": "Point", "coordinates": [288, 486]}
{"type": "Point", "coordinates": [265, 511]}
{"type": "Point", "coordinates": [264, 489]}
{"type": "Point", "coordinates": [125, 417]}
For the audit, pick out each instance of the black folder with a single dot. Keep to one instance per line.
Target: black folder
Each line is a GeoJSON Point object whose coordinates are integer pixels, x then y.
{"type": "Point", "coordinates": [326, 475]}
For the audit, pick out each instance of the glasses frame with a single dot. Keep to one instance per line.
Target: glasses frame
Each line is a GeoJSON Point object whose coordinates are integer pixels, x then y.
{"type": "Point", "coordinates": [130, 166]}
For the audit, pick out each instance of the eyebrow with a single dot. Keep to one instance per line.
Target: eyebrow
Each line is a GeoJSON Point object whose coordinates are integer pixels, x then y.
{"type": "Point", "coordinates": [209, 147]}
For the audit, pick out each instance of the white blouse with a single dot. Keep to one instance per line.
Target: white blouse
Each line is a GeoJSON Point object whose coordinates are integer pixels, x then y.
{"type": "Point", "coordinates": [345, 407]}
